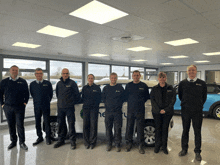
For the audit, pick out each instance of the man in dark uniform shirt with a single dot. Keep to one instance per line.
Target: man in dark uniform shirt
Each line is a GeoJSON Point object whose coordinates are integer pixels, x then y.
{"type": "Point", "coordinates": [113, 97]}
{"type": "Point", "coordinates": [67, 95]}
{"type": "Point", "coordinates": [91, 97]}
{"type": "Point", "coordinates": [193, 94]}
{"type": "Point", "coordinates": [42, 93]}
{"type": "Point", "coordinates": [137, 93]}
{"type": "Point", "coordinates": [16, 95]}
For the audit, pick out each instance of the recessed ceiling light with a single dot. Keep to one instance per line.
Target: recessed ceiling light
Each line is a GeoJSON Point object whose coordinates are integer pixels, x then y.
{"type": "Point", "coordinates": [212, 54]}
{"type": "Point", "coordinates": [139, 60]}
{"type": "Point", "coordinates": [99, 55]}
{"type": "Point", "coordinates": [166, 63]}
{"type": "Point", "coordinates": [98, 12]}
{"type": "Point", "coordinates": [139, 48]}
{"type": "Point", "coordinates": [201, 61]}
{"type": "Point", "coordinates": [185, 41]}
{"type": "Point", "coordinates": [56, 31]}
{"type": "Point", "coordinates": [26, 45]}
{"type": "Point", "coordinates": [181, 56]}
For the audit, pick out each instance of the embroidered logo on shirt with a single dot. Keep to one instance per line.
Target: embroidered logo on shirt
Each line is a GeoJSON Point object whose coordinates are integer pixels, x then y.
{"type": "Point", "coordinates": [117, 91]}
{"type": "Point", "coordinates": [20, 82]}
{"type": "Point", "coordinates": [169, 91]}
{"type": "Point", "coordinates": [199, 84]}
{"type": "Point", "coordinates": [68, 86]}
{"type": "Point", "coordinates": [94, 90]}
{"type": "Point", "coordinates": [141, 88]}
{"type": "Point", "coordinates": [45, 85]}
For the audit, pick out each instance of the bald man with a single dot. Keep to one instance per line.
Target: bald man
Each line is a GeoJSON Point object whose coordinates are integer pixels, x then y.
{"type": "Point", "coordinates": [68, 95]}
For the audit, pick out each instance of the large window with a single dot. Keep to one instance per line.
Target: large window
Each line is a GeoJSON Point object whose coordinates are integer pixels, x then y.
{"type": "Point", "coordinates": [172, 77]}
{"type": "Point", "coordinates": [212, 77]}
{"type": "Point", "coordinates": [101, 72]}
{"type": "Point", "coordinates": [151, 74]}
{"type": "Point", "coordinates": [122, 71]}
{"type": "Point", "coordinates": [141, 70]}
{"type": "Point", "coordinates": [75, 70]}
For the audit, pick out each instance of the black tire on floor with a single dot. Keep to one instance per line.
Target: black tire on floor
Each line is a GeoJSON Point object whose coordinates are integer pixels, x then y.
{"type": "Point", "coordinates": [149, 134]}
{"type": "Point", "coordinates": [54, 127]}
{"type": "Point", "coordinates": [216, 112]}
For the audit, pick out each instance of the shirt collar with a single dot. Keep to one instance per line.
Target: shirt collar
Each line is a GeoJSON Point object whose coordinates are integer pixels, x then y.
{"type": "Point", "coordinates": [10, 78]}
{"type": "Point", "coordinates": [193, 79]}
{"type": "Point", "coordinates": [39, 81]}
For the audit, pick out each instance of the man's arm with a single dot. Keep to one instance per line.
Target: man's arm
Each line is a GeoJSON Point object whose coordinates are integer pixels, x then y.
{"type": "Point", "coordinates": [26, 93]}
{"type": "Point", "coordinates": [50, 90]}
{"type": "Point", "coordinates": [155, 107]}
{"type": "Point", "coordinates": [204, 93]}
{"type": "Point", "coordinates": [76, 93]}
{"type": "Point", "coordinates": [147, 95]}
{"type": "Point", "coordinates": [1, 94]}
{"type": "Point", "coordinates": [180, 91]}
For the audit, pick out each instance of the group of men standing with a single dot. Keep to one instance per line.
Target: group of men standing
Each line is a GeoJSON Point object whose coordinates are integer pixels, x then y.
{"type": "Point", "coordinates": [14, 96]}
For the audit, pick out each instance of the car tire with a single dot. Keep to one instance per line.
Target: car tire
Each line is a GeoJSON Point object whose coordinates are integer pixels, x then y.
{"type": "Point", "coordinates": [54, 127]}
{"type": "Point", "coordinates": [149, 134]}
{"type": "Point", "coordinates": [216, 112]}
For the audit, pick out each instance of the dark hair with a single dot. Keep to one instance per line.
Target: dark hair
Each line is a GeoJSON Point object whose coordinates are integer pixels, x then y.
{"type": "Point", "coordinates": [14, 66]}
{"type": "Point", "coordinates": [136, 71]}
{"type": "Point", "coordinates": [162, 74]}
{"type": "Point", "coordinates": [113, 73]}
{"type": "Point", "coordinates": [38, 69]}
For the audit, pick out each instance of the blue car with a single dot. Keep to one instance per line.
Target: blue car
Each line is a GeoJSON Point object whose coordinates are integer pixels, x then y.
{"type": "Point", "coordinates": [212, 104]}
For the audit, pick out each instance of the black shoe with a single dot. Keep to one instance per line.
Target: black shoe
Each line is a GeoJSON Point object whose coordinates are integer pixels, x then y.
{"type": "Point", "coordinates": [87, 146]}
{"type": "Point", "coordinates": [48, 141]}
{"type": "Point", "coordinates": [12, 145]}
{"type": "Point", "coordinates": [39, 140]}
{"type": "Point", "coordinates": [165, 151]}
{"type": "Point", "coordinates": [73, 145]}
{"type": "Point", "coordinates": [183, 153]}
{"type": "Point", "coordinates": [92, 146]}
{"type": "Point", "coordinates": [118, 148]}
{"type": "Point", "coordinates": [198, 157]}
{"type": "Point", "coordinates": [23, 146]}
{"type": "Point", "coordinates": [109, 147]}
{"type": "Point", "coordinates": [58, 144]}
{"type": "Point", "coordinates": [141, 149]}
{"type": "Point", "coordinates": [156, 149]}
{"type": "Point", "coordinates": [128, 147]}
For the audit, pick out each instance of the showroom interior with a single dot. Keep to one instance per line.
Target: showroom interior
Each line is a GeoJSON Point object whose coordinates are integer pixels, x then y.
{"type": "Point", "coordinates": [149, 36]}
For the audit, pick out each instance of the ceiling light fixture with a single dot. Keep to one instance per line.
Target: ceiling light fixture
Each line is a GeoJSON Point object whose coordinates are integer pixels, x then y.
{"type": "Point", "coordinates": [212, 54]}
{"type": "Point", "coordinates": [98, 12]}
{"type": "Point", "coordinates": [56, 31]}
{"type": "Point", "coordinates": [26, 45]}
{"type": "Point", "coordinates": [201, 61]}
{"type": "Point", "coordinates": [180, 56]}
{"type": "Point", "coordinates": [99, 55]}
{"type": "Point", "coordinates": [139, 48]}
{"type": "Point", "coordinates": [139, 60]}
{"type": "Point", "coordinates": [166, 63]}
{"type": "Point", "coordinates": [185, 41]}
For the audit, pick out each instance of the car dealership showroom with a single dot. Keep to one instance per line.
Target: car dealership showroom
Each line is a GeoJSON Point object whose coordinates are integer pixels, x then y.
{"type": "Point", "coordinates": [179, 38]}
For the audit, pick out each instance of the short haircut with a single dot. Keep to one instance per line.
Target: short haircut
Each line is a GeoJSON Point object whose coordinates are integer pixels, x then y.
{"type": "Point", "coordinates": [14, 66]}
{"type": "Point", "coordinates": [136, 72]}
{"type": "Point", "coordinates": [66, 69]}
{"type": "Point", "coordinates": [192, 66]}
{"type": "Point", "coordinates": [38, 69]}
{"type": "Point", "coordinates": [113, 73]}
{"type": "Point", "coordinates": [91, 75]}
{"type": "Point", "coordinates": [162, 74]}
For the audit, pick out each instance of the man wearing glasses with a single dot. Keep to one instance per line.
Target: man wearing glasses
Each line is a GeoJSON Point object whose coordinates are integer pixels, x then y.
{"type": "Point", "coordinates": [42, 92]}
{"type": "Point", "coordinates": [68, 95]}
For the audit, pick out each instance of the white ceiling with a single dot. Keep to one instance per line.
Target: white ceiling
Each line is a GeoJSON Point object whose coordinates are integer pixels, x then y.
{"type": "Point", "coordinates": [156, 20]}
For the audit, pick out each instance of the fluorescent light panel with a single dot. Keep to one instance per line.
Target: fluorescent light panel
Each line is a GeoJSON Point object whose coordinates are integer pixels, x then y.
{"type": "Point", "coordinates": [166, 63]}
{"type": "Point", "coordinates": [56, 31]}
{"type": "Point", "coordinates": [98, 12]}
{"type": "Point", "coordinates": [26, 45]}
{"type": "Point", "coordinates": [139, 48]}
{"type": "Point", "coordinates": [180, 56]}
{"type": "Point", "coordinates": [98, 55]}
{"type": "Point", "coordinates": [139, 60]}
{"type": "Point", "coordinates": [185, 41]}
{"type": "Point", "coordinates": [201, 61]}
{"type": "Point", "coordinates": [212, 54]}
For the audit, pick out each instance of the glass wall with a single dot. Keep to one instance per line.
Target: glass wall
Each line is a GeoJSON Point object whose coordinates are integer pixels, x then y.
{"type": "Point", "coordinates": [101, 72]}
{"type": "Point", "coordinates": [122, 71]}
{"type": "Point", "coordinates": [172, 77]}
{"type": "Point", "coordinates": [141, 70]}
{"type": "Point", "coordinates": [151, 74]}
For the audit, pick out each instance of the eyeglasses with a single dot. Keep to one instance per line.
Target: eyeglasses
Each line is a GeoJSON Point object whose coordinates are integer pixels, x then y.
{"type": "Point", "coordinates": [65, 73]}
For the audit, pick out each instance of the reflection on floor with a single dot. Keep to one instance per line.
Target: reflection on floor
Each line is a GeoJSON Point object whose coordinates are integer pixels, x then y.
{"type": "Point", "coordinates": [47, 155]}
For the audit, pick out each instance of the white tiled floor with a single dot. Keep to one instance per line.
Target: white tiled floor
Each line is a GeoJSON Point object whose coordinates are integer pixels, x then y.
{"type": "Point", "coordinates": [46, 155]}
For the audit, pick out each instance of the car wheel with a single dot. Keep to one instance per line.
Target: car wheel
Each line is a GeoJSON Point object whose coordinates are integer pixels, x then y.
{"type": "Point", "coordinates": [54, 127]}
{"type": "Point", "coordinates": [216, 112]}
{"type": "Point", "coordinates": [149, 134]}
